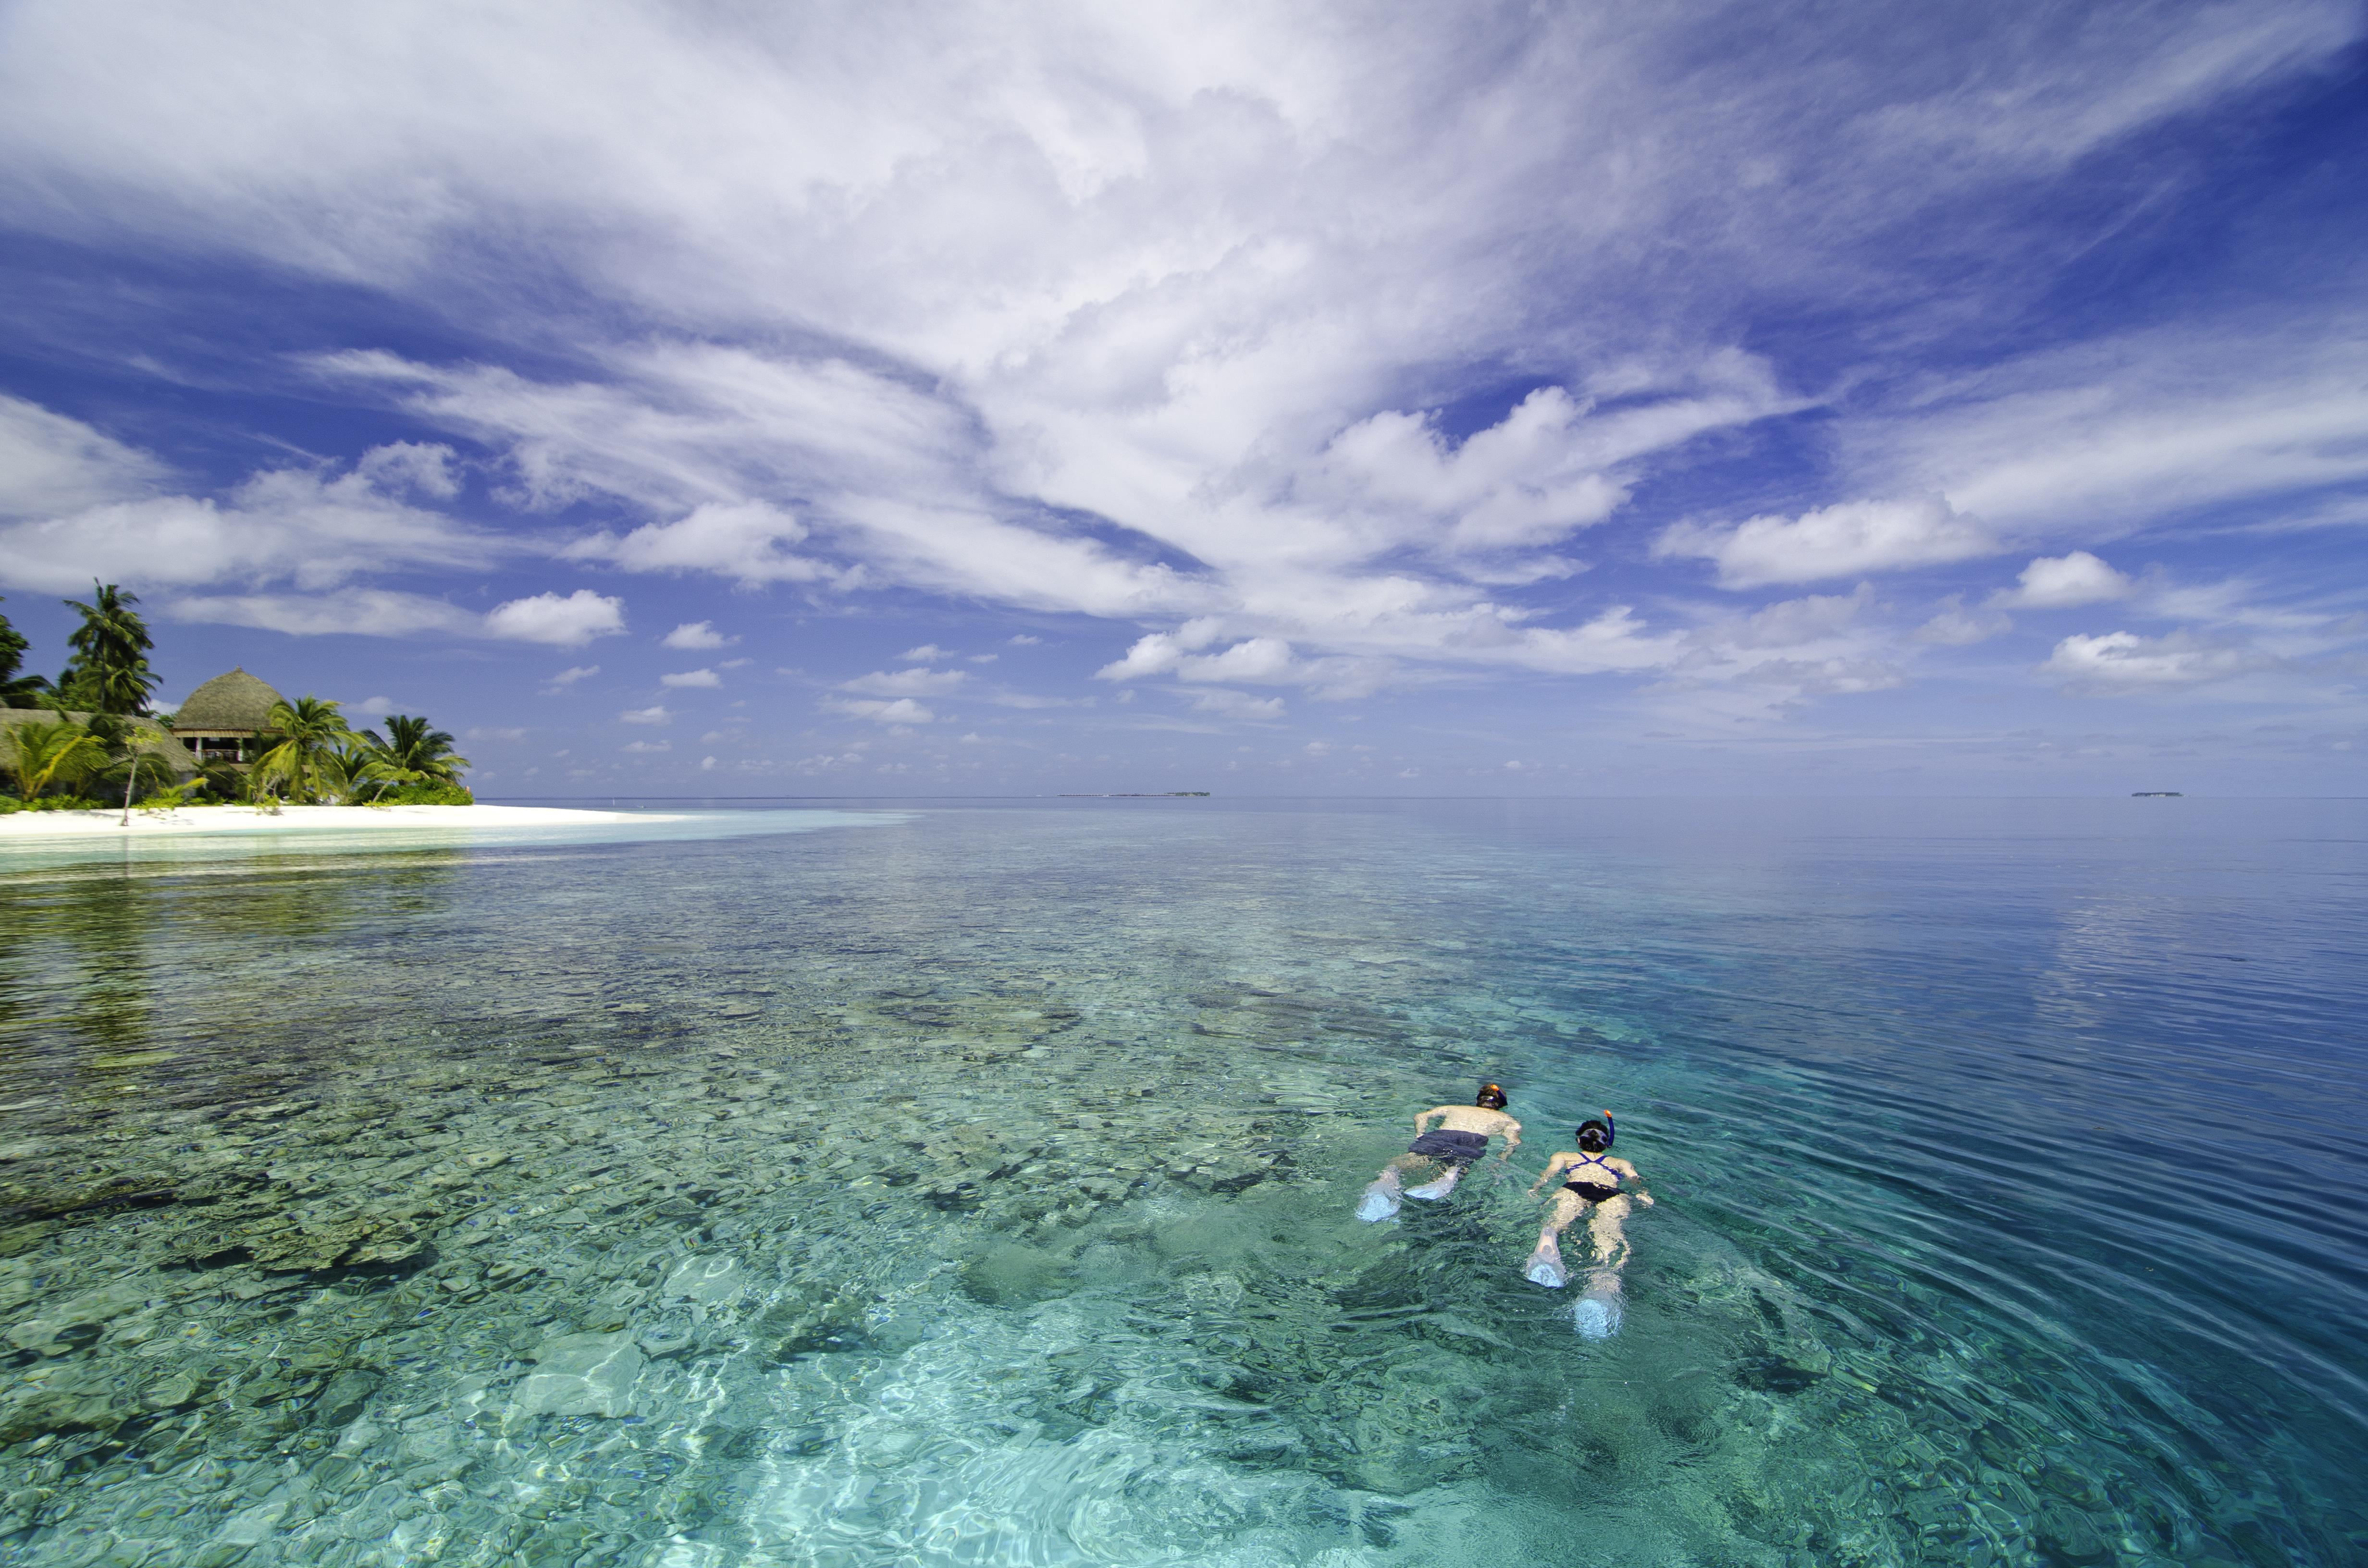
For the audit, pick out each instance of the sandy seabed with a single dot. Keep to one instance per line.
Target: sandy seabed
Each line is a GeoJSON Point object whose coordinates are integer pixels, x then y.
{"type": "Point", "coordinates": [297, 819]}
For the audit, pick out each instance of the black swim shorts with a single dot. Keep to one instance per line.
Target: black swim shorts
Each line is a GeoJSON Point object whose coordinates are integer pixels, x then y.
{"type": "Point", "coordinates": [1451, 1148]}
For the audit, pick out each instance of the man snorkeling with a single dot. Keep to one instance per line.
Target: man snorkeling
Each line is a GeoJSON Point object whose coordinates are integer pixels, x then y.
{"type": "Point", "coordinates": [1457, 1143]}
{"type": "Point", "coordinates": [1591, 1181]}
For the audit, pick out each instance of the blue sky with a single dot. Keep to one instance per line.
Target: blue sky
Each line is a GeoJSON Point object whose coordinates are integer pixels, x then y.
{"type": "Point", "coordinates": [942, 399]}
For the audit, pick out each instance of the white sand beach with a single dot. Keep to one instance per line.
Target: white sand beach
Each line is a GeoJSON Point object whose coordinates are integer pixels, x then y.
{"type": "Point", "coordinates": [195, 820]}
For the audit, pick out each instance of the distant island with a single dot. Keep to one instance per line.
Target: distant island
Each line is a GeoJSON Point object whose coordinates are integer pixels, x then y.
{"type": "Point", "coordinates": [90, 742]}
{"type": "Point", "coordinates": [1141, 795]}
{"type": "Point", "coordinates": [2156, 795]}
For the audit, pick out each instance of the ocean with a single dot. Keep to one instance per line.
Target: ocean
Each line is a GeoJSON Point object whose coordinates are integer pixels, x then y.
{"type": "Point", "coordinates": [933, 1183]}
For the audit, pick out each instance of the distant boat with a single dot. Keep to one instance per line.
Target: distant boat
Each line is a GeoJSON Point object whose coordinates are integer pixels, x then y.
{"type": "Point", "coordinates": [2156, 795]}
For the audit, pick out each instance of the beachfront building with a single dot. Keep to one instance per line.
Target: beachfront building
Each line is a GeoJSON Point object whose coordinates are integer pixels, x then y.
{"type": "Point", "coordinates": [225, 720]}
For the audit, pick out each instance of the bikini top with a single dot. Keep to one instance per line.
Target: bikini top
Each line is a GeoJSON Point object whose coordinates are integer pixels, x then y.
{"type": "Point", "coordinates": [1595, 1160]}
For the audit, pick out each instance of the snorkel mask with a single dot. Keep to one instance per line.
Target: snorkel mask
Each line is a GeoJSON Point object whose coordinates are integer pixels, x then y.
{"type": "Point", "coordinates": [1601, 1131]}
{"type": "Point", "coordinates": [1490, 1098]}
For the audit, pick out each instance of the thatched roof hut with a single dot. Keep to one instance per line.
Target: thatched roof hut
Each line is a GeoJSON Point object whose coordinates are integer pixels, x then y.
{"type": "Point", "coordinates": [224, 718]}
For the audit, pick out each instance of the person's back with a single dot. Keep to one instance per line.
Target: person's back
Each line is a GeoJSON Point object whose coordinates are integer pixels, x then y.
{"type": "Point", "coordinates": [1459, 1140]}
{"type": "Point", "coordinates": [1593, 1179]}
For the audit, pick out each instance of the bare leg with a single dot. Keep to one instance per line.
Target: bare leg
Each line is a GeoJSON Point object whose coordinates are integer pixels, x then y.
{"type": "Point", "coordinates": [1432, 1192]}
{"type": "Point", "coordinates": [1381, 1198]}
{"type": "Point", "coordinates": [1545, 1264]}
{"type": "Point", "coordinates": [1604, 1229]}
{"type": "Point", "coordinates": [1598, 1312]}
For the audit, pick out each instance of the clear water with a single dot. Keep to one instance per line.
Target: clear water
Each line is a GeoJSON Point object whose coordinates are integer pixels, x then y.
{"type": "Point", "coordinates": [973, 1185]}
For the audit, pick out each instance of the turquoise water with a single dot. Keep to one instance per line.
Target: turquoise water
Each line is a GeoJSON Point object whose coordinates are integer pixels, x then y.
{"type": "Point", "coordinates": [972, 1185]}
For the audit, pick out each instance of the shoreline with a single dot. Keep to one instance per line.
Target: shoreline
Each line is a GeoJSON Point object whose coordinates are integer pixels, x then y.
{"type": "Point", "coordinates": [192, 821]}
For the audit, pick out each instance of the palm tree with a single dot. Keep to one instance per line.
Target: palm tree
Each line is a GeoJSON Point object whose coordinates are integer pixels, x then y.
{"type": "Point", "coordinates": [308, 731]}
{"type": "Point", "coordinates": [411, 746]}
{"type": "Point", "coordinates": [360, 763]}
{"type": "Point", "coordinates": [50, 754]}
{"type": "Point", "coordinates": [17, 690]}
{"type": "Point", "coordinates": [108, 673]}
{"type": "Point", "coordinates": [134, 755]}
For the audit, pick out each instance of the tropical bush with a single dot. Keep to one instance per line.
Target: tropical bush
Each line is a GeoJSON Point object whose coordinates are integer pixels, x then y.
{"type": "Point", "coordinates": [428, 794]}
{"type": "Point", "coordinates": [52, 756]}
{"type": "Point", "coordinates": [52, 803]}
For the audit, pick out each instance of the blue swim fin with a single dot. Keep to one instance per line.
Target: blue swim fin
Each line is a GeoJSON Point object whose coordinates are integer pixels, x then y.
{"type": "Point", "coordinates": [1380, 1201]}
{"type": "Point", "coordinates": [1598, 1314]}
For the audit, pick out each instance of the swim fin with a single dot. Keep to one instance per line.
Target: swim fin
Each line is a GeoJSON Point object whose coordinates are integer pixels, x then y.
{"type": "Point", "coordinates": [1598, 1314]}
{"type": "Point", "coordinates": [1545, 1268]}
{"type": "Point", "coordinates": [1380, 1201]}
{"type": "Point", "coordinates": [1432, 1192]}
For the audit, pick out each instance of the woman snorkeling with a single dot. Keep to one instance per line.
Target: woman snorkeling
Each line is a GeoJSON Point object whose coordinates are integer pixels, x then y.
{"type": "Point", "coordinates": [1591, 1180]}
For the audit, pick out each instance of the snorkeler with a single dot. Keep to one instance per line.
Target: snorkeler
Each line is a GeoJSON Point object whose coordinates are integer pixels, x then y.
{"type": "Point", "coordinates": [1459, 1140]}
{"type": "Point", "coordinates": [1591, 1180]}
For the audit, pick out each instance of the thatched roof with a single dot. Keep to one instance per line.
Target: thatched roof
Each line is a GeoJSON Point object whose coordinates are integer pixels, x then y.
{"type": "Point", "coordinates": [235, 702]}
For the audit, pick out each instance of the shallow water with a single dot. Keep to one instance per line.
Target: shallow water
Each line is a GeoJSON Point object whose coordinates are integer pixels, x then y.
{"type": "Point", "coordinates": [973, 1186]}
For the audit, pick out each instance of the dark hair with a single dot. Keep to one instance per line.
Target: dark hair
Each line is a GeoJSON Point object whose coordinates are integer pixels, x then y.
{"type": "Point", "coordinates": [1490, 1098]}
{"type": "Point", "coordinates": [1593, 1137]}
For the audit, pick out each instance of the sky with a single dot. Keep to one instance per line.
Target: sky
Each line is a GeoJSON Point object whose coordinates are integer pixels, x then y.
{"type": "Point", "coordinates": [915, 399]}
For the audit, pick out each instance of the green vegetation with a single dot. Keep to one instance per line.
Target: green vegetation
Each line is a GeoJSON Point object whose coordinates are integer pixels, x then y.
{"type": "Point", "coordinates": [308, 760]}
{"type": "Point", "coordinates": [92, 746]}
{"type": "Point", "coordinates": [17, 690]}
{"type": "Point", "coordinates": [413, 747]}
{"type": "Point", "coordinates": [53, 757]}
{"type": "Point", "coordinates": [427, 794]}
{"type": "Point", "coordinates": [317, 757]}
{"type": "Point", "coordinates": [108, 673]}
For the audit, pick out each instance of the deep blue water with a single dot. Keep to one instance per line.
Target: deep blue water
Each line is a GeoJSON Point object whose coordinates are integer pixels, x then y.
{"type": "Point", "coordinates": [975, 1185]}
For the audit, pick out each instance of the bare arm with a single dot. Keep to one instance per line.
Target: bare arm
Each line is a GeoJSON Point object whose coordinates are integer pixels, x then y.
{"type": "Point", "coordinates": [1640, 1195]}
{"type": "Point", "coordinates": [1512, 1140]}
{"type": "Point", "coordinates": [1439, 1111]}
{"type": "Point", "coordinates": [1554, 1167]}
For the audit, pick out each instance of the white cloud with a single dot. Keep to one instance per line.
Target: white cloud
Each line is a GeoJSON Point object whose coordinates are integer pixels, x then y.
{"type": "Point", "coordinates": [371, 707]}
{"type": "Point", "coordinates": [52, 466]}
{"type": "Point", "coordinates": [563, 620]}
{"type": "Point", "coordinates": [707, 765]}
{"type": "Point", "coordinates": [2063, 581]}
{"type": "Point", "coordinates": [985, 658]}
{"type": "Point", "coordinates": [746, 541]}
{"type": "Point", "coordinates": [927, 652]}
{"type": "Point", "coordinates": [1237, 704]}
{"type": "Point", "coordinates": [364, 612]}
{"type": "Point", "coordinates": [1842, 541]}
{"type": "Point", "coordinates": [2102, 437]}
{"type": "Point", "coordinates": [426, 467]}
{"type": "Point", "coordinates": [488, 732]}
{"type": "Point", "coordinates": [2115, 663]}
{"type": "Point", "coordinates": [903, 710]}
{"type": "Point", "coordinates": [1956, 627]}
{"type": "Point", "coordinates": [697, 634]}
{"type": "Point", "coordinates": [657, 714]}
{"type": "Point", "coordinates": [1145, 314]}
{"type": "Point", "coordinates": [907, 683]}
{"type": "Point", "coordinates": [1022, 639]}
{"type": "Point", "coordinates": [281, 525]}
{"type": "Point", "coordinates": [691, 678]}
{"type": "Point", "coordinates": [646, 746]}
{"type": "Point", "coordinates": [1551, 466]}
{"type": "Point", "coordinates": [574, 673]}
{"type": "Point", "coordinates": [1262, 660]}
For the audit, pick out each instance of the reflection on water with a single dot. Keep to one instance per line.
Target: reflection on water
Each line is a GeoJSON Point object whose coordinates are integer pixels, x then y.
{"type": "Point", "coordinates": [975, 1189]}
